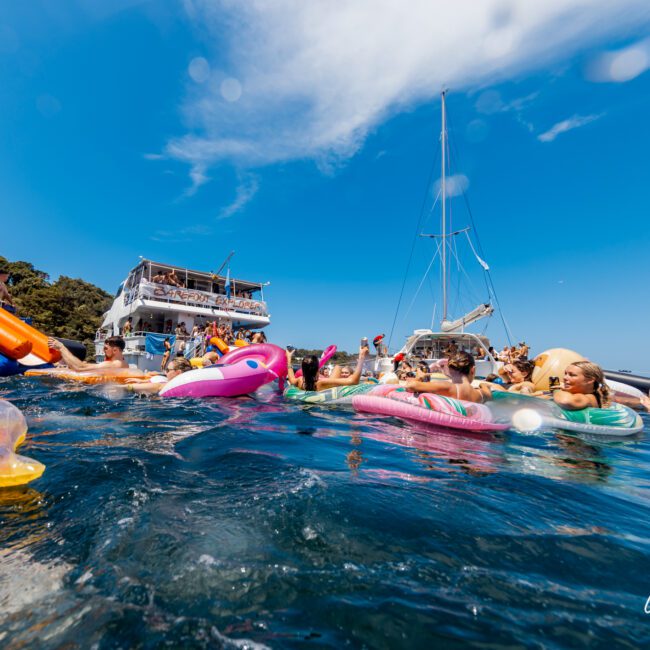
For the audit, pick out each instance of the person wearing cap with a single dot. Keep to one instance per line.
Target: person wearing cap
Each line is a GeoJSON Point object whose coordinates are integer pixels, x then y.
{"type": "Point", "coordinates": [6, 301]}
{"type": "Point", "coordinates": [378, 343]}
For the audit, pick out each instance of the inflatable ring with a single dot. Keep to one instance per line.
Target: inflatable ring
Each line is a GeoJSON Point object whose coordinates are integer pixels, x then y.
{"type": "Point", "coordinates": [427, 408]}
{"type": "Point", "coordinates": [338, 395]}
{"type": "Point", "coordinates": [527, 413]}
{"type": "Point", "coordinates": [108, 375]}
{"type": "Point", "coordinates": [241, 343]}
{"type": "Point", "coordinates": [327, 354]}
{"type": "Point", "coordinates": [15, 469]}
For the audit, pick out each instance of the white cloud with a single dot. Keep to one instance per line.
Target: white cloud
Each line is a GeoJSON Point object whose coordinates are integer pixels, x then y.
{"type": "Point", "coordinates": [454, 185]}
{"type": "Point", "coordinates": [198, 178]}
{"type": "Point", "coordinates": [246, 190]}
{"type": "Point", "coordinates": [567, 125]}
{"type": "Point", "coordinates": [622, 65]}
{"type": "Point", "coordinates": [317, 76]}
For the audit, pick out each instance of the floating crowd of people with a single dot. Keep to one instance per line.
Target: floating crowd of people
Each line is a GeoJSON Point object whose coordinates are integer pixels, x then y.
{"type": "Point", "coordinates": [583, 384]}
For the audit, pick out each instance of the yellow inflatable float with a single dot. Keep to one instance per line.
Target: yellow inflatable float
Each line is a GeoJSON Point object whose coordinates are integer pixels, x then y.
{"type": "Point", "coordinates": [552, 363]}
{"type": "Point", "coordinates": [14, 469]}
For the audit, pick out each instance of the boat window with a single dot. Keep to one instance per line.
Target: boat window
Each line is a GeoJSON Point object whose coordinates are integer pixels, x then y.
{"type": "Point", "coordinates": [118, 293]}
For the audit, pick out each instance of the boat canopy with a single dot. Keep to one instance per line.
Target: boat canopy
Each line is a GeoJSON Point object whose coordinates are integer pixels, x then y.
{"type": "Point", "coordinates": [193, 279]}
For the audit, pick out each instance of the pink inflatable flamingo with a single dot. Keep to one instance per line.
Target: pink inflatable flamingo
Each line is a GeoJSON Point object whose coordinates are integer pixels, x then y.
{"type": "Point", "coordinates": [239, 372]}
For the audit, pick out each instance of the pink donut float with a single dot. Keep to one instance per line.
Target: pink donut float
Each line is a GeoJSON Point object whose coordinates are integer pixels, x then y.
{"type": "Point", "coordinates": [241, 371]}
{"type": "Point", "coordinates": [427, 408]}
{"type": "Point", "coordinates": [327, 354]}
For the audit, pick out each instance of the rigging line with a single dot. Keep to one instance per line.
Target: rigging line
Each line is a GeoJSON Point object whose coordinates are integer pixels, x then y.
{"type": "Point", "coordinates": [480, 260]}
{"type": "Point", "coordinates": [489, 281]}
{"type": "Point", "coordinates": [470, 284]}
{"type": "Point", "coordinates": [424, 277]}
{"type": "Point", "coordinates": [433, 302]}
{"type": "Point", "coordinates": [451, 142]}
{"type": "Point", "coordinates": [415, 237]}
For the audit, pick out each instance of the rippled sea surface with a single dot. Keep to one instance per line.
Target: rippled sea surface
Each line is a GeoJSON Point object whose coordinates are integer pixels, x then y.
{"type": "Point", "coordinates": [255, 523]}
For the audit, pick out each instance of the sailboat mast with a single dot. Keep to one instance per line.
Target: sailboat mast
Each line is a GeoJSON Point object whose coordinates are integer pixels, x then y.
{"type": "Point", "coordinates": [443, 144]}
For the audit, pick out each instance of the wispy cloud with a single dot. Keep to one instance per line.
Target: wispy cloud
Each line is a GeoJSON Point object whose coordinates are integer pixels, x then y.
{"type": "Point", "coordinates": [567, 125]}
{"type": "Point", "coordinates": [198, 178]}
{"type": "Point", "coordinates": [314, 78]}
{"type": "Point", "coordinates": [182, 235]}
{"type": "Point", "coordinates": [246, 190]}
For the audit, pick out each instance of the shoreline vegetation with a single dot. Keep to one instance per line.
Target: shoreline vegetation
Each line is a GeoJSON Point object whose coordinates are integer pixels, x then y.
{"type": "Point", "coordinates": [69, 308]}
{"type": "Point", "coordinates": [72, 308]}
{"type": "Point", "coordinates": [339, 358]}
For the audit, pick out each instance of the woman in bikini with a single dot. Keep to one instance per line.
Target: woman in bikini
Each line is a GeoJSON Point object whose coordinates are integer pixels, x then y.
{"type": "Point", "coordinates": [583, 386]}
{"type": "Point", "coordinates": [461, 369]}
{"type": "Point", "coordinates": [311, 380]}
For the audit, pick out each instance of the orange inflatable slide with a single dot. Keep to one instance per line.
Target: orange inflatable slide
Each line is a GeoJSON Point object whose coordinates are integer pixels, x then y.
{"type": "Point", "coordinates": [22, 342]}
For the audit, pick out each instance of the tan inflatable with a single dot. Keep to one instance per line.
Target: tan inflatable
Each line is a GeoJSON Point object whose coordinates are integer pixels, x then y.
{"type": "Point", "coordinates": [552, 363]}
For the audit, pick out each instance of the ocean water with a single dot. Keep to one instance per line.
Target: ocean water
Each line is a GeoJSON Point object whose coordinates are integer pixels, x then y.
{"type": "Point", "coordinates": [252, 523]}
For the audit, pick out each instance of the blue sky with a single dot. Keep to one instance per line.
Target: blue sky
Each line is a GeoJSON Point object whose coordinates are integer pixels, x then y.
{"type": "Point", "coordinates": [303, 136]}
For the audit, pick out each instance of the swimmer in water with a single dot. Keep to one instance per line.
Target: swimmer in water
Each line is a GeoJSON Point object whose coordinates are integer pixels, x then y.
{"type": "Point", "coordinates": [113, 355]}
{"type": "Point", "coordinates": [311, 380]}
{"type": "Point", "coordinates": [154, 384]}
{"type": "Point", "coordinates": [461, 369]}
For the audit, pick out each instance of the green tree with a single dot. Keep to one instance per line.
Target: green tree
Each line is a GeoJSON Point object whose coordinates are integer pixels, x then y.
{"type": "Point", "coordinates": [68, 308]}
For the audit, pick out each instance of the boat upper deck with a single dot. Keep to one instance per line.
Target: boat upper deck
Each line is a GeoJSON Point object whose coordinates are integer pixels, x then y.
{"type": "Point", "coordinates": [153, 281]}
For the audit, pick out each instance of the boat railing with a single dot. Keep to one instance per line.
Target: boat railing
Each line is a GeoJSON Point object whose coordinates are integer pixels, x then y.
{"type": "Point", "coordinates": [195, 297]}
{"type": "Point", "coordinates": [194, 347]}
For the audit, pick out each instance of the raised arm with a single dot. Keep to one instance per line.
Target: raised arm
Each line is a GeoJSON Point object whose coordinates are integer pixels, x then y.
{"type": "Point", "coordinates": [68, 358]}
{"type": "Point", "coordinates": [291, 377]}
{"type": "Point", "coordinates": [353, 379]}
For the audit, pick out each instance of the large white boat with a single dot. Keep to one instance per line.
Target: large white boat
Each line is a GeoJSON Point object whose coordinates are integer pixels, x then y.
{"type": "Point", "coordinates": [433, 346]}
{"type": "Point", "coordinates": [155, 307]}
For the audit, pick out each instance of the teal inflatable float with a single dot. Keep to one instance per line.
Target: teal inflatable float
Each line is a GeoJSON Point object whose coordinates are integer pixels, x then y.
{"type": "Point", "coordinates": [527, 413]}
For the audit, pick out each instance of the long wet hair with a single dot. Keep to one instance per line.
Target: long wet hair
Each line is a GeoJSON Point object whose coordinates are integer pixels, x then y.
{"type": "Point", "coordinates": [310, 372]}
{"type": "Point", "coordinates": [461, 362]}
{"type": "Point", "coordinates": [592, 371]}
{"type": "Point", "coordinates": [525, 367]}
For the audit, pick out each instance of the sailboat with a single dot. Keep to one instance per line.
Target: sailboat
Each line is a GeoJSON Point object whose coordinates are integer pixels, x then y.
{"type": "Point", "coordinates": [432, 346]}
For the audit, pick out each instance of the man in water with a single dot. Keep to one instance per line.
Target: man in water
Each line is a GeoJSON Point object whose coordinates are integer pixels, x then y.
{"type": "Point", "coordinates": [6, 301]}
{"type": "Point", "coordinates": [113, 354]}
